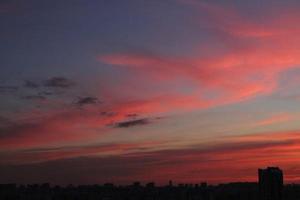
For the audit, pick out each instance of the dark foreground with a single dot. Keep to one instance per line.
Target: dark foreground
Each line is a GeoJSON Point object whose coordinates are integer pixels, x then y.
{"type": "Point", "coordinates": [231, 191]}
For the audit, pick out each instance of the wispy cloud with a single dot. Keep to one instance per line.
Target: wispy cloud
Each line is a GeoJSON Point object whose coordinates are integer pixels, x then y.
{"type": "Point", "coordinates": [279, 118]}
{"type": "Point", "coordinates": [131, 123]}
{"type": "Point", "coordinates": [241, 72]}
{"type": "Point", "coordinates": [30, 84]}
{"type": "Point", "coordinates": [34, 97]}
{"type": "Point", "coordinates": [36, 155]}
{"type": "Point", "coordinates": [215, 163]}
{"type": "Point", "coordinates": [59, 82]}
{"type": "Point", "coordinates": [5, 89]}
{"type": "Point", "coordinates": [87, 101]}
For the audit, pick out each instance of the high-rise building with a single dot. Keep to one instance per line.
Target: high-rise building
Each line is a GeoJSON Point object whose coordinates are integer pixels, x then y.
{"type": "Point", "coordinates": [270, 183]}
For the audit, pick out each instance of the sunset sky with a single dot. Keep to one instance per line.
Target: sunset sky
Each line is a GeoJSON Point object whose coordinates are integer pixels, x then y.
{"type": "Point", "coordinates": [149, 90]}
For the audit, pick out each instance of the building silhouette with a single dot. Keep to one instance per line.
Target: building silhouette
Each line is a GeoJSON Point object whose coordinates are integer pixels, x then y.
{"type": "Point", "coordinates": [270, 187]}
{"type": "Point", "coordinates": [270, 183]}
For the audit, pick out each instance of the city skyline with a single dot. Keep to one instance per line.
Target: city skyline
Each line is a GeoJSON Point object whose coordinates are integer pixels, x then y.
{"type": "Point", "coordinates": [269, 187]}
{"type": "Point", "coordinates": [119, 91]}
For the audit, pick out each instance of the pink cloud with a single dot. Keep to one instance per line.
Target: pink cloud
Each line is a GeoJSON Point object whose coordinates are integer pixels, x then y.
{"type": "Point", "coordinates": [56, 126]}
{"type": "Point", "coordinates": [242, 72]}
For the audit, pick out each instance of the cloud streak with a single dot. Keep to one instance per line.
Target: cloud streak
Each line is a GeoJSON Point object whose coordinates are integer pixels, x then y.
{"type": "Point", "coordinates": [59, 82]}
{"type": "Point", "coordinates": [4, 89]}
{"type": "Point", "coordinates": [82, 101]}
{"type": "Point", "coordinates": [279, 118]}
{"type": "Point", "coordinates": [131, 123]}
{"type": "Point", "coordinates": [215, 163]}
{"type": "Point", "coordinates": [31, 84]}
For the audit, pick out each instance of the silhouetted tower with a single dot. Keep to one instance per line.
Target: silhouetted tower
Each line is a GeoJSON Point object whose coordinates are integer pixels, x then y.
{"type": "Point", "coordinates": [270, 183]}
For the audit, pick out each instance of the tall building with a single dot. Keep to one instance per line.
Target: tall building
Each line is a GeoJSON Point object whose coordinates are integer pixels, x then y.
{"type": "Point", "coordinates": [270, 183]}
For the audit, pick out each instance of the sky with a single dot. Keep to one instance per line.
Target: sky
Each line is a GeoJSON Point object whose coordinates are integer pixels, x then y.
{"type": "Point", "coordinates": [119, 91]}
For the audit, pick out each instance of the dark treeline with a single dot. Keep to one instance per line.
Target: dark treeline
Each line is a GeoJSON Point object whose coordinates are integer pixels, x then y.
{"type": "Point", "coordinates": [136, 191]}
